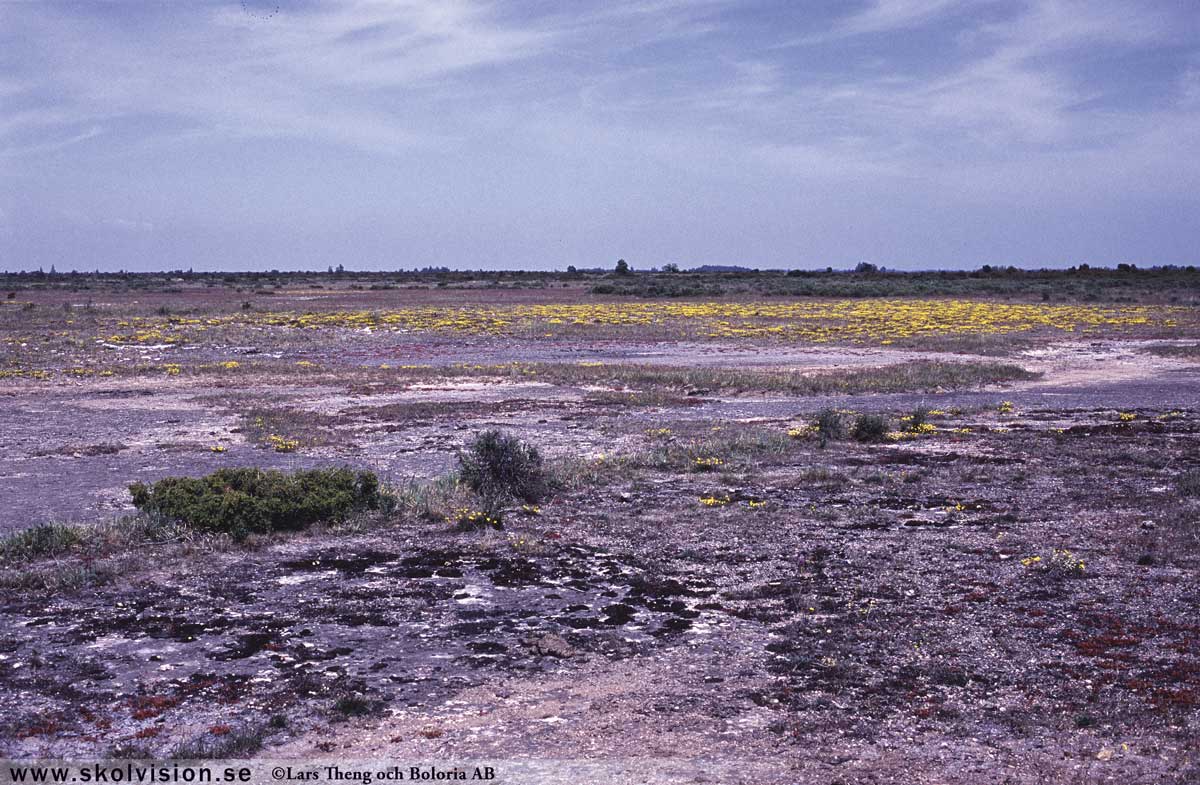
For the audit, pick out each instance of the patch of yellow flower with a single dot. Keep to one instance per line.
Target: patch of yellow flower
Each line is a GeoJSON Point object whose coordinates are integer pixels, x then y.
{"type": "Point", "coordinates": [707, 463]}
{"type": "Point", "coordinates": [24, 374]}
{"type": "Point", "coordinates": [1065, 561]}
{"type": "Point", "coordinates": [466, 517]}
{"type": "Point", "coordinates": [715, 501]}
{"type": "Point", "coordinates": [283, 444]}
{"type": "Point", "coordinates": [868, 320]}
{"type": "Point", "coordinates": [229, 365]}
{"type": "Point", "coordinates": [1061, 561]}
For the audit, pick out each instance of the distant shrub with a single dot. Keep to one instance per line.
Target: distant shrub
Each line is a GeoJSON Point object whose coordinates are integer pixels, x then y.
{"type": "Point", "coordinates": [870, 428]}
{"type": "Point", "coordinates": [1189, 483]}
{"type": "Point", "coordinates": [919, 417]}
{"type": "Point", "coordinates": [500, 467]}
{"type": "Point", "coordinates": [244, 501]}
{"type": "Point", "coordinates": [830, 427]}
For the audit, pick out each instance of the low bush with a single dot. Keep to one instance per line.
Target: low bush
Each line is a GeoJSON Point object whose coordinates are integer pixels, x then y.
{"type": "Point", "coordinates": [499, 467]}
{"type": "Point", "coordinates": [244, 501]}
{"type": "Point", "coordinates": [870, 428]}
{"type": "Point", "coordinates": [829, 426]}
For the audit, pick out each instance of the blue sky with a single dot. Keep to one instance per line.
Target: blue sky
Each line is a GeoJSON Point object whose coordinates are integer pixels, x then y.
{"type": "Point", "coordinates": [385, 135]}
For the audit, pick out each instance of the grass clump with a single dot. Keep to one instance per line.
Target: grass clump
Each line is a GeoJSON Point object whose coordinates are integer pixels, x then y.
{"type": "Point", "coordinates": [501, 468]}
{"type": "Point", "coordinates": [870, 428]}
{"type": "Point", "coordinates": [50, 539]}
{"type": "Point", "coordinates": [722, 448]}
{"type": "Point", "coordinates": [354, 705]}
{"type": "Point", "coordinates": [242, 501]}
{"type": "Point", "coordinates": [235, 742]}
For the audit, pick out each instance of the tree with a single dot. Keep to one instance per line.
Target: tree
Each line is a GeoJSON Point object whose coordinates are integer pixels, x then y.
{"type": "Point", "coordinates": [623, 267]}
{"type": "Point", "coordinates": [670, 267]}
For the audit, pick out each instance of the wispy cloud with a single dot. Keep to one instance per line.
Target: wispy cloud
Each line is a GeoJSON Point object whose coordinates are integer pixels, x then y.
{"type": "Point", "coordinates": [891, 15]}
{"type": "Point", "coordinates": [464, 99]}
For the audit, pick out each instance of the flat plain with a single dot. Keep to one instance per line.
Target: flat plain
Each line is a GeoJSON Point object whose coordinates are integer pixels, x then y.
{"type": "Point", "coordinates": [832, 530]}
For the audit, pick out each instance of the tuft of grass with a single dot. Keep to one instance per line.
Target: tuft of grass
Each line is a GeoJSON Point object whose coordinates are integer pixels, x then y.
{"type": "Point", "coordinates": [718, 447]}
{"type": "Point", "coordinates": [50, 539]}
{"type": "Point", "coordinates": [354, 705]}
{"type": "Point", "coordinates": [238, 742]}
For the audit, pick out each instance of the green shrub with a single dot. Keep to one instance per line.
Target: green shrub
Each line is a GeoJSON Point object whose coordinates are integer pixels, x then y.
{"type": "Point", "coordinates": [919, 417]}
{"type": "Point", "coordinates": [829, 426]}
{"type": "Point", "coordinates": [870, 428]}
{"type": "Point", "coordinates": [500, 467]}
{"type": "Point", "coordinates": [243, 501]}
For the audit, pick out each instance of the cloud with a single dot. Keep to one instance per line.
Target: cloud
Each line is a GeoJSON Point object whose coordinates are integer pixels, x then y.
{"type": "Point", "coordinates": [891, 15]}
{"type": "Point", "coordinates": [494, 113]}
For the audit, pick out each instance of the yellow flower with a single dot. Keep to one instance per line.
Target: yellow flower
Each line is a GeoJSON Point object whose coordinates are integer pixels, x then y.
{"type": "Point", "coordinates": [282, 444]}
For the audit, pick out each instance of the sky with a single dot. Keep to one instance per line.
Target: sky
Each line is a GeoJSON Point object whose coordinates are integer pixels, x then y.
{"type": "Point", "coordinates": [912, 134]}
